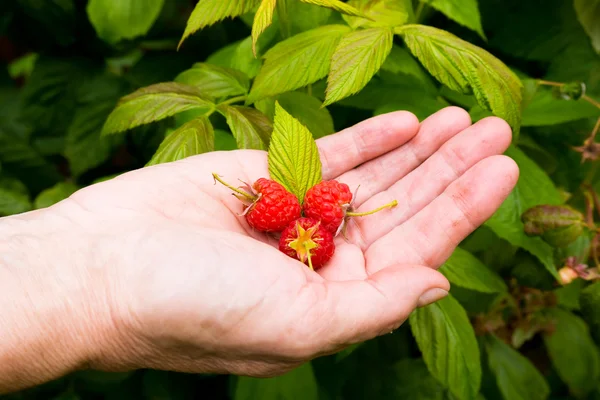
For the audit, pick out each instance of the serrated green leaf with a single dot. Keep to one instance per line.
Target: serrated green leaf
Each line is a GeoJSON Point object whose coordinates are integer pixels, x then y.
{"type": "Point", "coordinates": [215, 81]}
{"type": "Point", "coordinates": [590, 304]}
{"type": "Point", "coordinates": [468, 69]}
{"type": "Point", "coordinates": [305, 108]}
{"type": "Point", "coordinates": [115, 20]}
{"type": "Point", "coordinates": [573, 352]}
{"type": "Point", "coordinates": [262, 19]}
{"type": "Point", "coordinates": [53, 195]}
{"type": "Point", "coordinates": [588, 13]}
{"type": "Point", "coordinates": [293, 155]}
{"type": "Point", "coordinates": [337, 5]}
{"type": "Point", "coordinates": [238, 55]}
{"type": "Point", "coordinates": [400, 61]}
{"type": "Point", "coordinates": [299, 383]}
{"type": "Point", "coordinates": [14, 197]}
{"type": "Point", "coordinates": [516, 377]}
{"type": "Point", "coordinates": [208, 12]}
{"type": "Point", "coordinates": [194, 137]}
{"type": "Point", "coordinates": [297, 61]}
{"type": "Point", "coordinates": [447, 340]}
{"type": "Point", "coordinates": [358, 56]}
{"type": "Point", "coordinates": [379, 13]}
{"type": "Point", "coordinates": [154, 103]}
{"type": "Point", "coordinates": [533, 188]}
{"type": "Point", "coordinates": [306, 16]}
{"type": "Point", "coordinates": [250, 127]}
{"type": "Point", "coordinates": [465, 270]}
{"type": "Point", "coordinates": [465, 12]}
{"type": "Point", "coordinates": [545, 109]}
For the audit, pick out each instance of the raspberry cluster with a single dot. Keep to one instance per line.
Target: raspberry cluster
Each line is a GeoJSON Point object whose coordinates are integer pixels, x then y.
{"type": "Point", "coordinates": [307, 230]}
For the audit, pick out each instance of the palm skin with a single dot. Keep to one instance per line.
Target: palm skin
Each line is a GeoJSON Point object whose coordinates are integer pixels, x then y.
{"type": "Point", "coordinates": [192, 288]}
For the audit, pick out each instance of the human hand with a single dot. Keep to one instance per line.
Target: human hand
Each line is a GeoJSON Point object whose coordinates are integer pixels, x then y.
{"type": "Point", "coordinates": [190, 287]}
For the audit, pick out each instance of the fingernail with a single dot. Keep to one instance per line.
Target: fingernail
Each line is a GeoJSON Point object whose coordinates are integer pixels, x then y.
{"type": "Point", "coordinates": [431, 296]}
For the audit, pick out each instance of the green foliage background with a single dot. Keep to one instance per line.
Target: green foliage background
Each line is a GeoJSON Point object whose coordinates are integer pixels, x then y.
{"type": "Point", "coordinates": [90, 89]}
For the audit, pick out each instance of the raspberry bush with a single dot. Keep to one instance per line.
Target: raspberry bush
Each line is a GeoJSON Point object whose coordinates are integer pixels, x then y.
{"type": "Point", "coordinates": [90, 89]}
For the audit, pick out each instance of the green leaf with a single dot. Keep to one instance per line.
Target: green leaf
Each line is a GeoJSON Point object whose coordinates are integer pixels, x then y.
{"type": "Point", "coordinates": [262, 19]}
{"type": "Point", "coordinates": [306, 16]}
{"type": "Point", "coordinates": [467, 69]}
{"type": "Point", "coordinates": [400, 61]}
{"type": "Point", "coordinates": [465, 12]}
{"type": "Point", "coordinates": [379, 13]}
{"type": "Point", "coordinates": [297, 61]}
{"type": "Point", "coordinates": [337, 5]}
{"type": "Point", "coordinates": [238, 55]}
{"type": "Point", "coordinates": [53, 195]}
{"type": "Point", "coordinates": [590, 304]}
{"type": "Point", "coordinates": [447, 340]}
{"type": "Point", "coordinates": [568, 296]}
{"type": "Point", "coordinates": [194, 137]}
{"type": "Point", "coordinates": [208, 12]}
{"type": "Point", "coordinates": [215, 81]}
{"type": "Point", "coordinates": [305, 108]}
{"type": "Point", "coordinates": [358, 56]}
{"type": "Point", "coordinates": [293, 155]}
{"type": "Point", "coordinates": [224, 141]}
{"type": "Point", "coordinates": [573, 352]}
{"type": "Point", "coordinates": [516, 377]}
{"type": "Point", "coordinates": [251, 128]}
{"type": "Point", "coordinates": [533, 188]}
{"type": "Point", "coordinates": [465, 270]}
{"type": "Point", "coordinates": [154, 103]}
{"type": "Point", "coordinates": [545, 109]}
{"type": "Point", "coordinates": [588, 13]}
{"type": "Point", "coordinates": [14, 197]}
{"type": "Point", "coordinates": [299, 383]}
{"type": "Point", "coordinates": [115, 20]}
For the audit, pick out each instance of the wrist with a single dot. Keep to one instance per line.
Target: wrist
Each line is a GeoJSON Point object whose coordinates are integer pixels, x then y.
{"type": "Point", "coordinates": [56, 314]}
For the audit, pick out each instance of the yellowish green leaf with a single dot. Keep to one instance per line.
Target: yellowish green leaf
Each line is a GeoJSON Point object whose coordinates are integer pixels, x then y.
{"type": "Point", "coordinates": [262, 19]}
{"type": "Point", "coordinates": [465, 12]}
{"type": "Point", "coordinates": [194, 137]}
{"type": "Point", "coordinates": [588, 13]}
{"type": "Point", "coordinates": [337, 5]}
{"type": "Point", "coordinates": [379, 13]}
{"type": "Point", "coordinates": [250, 127]}
{"type": "Point", "coordinates": [215, 81]}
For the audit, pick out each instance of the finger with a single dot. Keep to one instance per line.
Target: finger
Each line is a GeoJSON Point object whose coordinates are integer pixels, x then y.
{"type": "Point", "coordinates": [364, 141]}
{"type": "Point", "coordinates": [359, 310]}
{"type": "Point", "coordinates": [488, 137]}
{"type": "Point", "coordinates": [429, 237]}
{"type": "Point", "coordinates": [380, 173]}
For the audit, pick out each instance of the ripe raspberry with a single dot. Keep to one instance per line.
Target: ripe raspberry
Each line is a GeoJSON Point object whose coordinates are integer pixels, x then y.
{"type": "Point", "coordinates": [269, 206]}
{"type": "Point", "coordinates": [308, 241]}
{"type": "Point", "coordinates": [328, 201]}
{"type": "Point", "coordinates": [274, 208]}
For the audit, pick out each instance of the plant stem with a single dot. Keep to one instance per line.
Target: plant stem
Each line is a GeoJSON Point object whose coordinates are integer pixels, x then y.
{"type": "Point", "coordinates": [549, 83]}
{"type": "Point", "coordinates": [234, 100]}
{"type": "Point", "coordinates": [419, 11]}
{"type": "Point", "coordinates": [362, 214]}
{"type": "Point", "coordinates": [591, 101]}
{"type": "Point", "coordinates": [236, 190]}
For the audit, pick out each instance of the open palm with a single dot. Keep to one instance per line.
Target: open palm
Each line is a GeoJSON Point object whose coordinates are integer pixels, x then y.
{"type": "Point", "coordinates": [207, 293]}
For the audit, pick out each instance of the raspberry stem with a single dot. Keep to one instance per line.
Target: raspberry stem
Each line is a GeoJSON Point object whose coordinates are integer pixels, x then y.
{"type": "Point", "coordinates": [362, 214]}
{"type": "Point", "coordinates": [236, 190]}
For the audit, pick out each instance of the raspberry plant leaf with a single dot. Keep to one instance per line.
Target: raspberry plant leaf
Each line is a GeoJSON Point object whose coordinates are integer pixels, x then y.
{"type": "Point", "coordinates": [215, 81]}
{"type": "Point", "coordinates": [572, 351]}
{"type": "Point", "coordinates": [337, 5]}
{"type": "Point", "coordinates": [262, 19]}
{"type": "Point", "coordinates": [250, 127]}
{"type": "Point", "coordinates": [533, 188]}
{"type": "Point", "coordinates": [467, 69]}
{"type": "Point", "coordinates": [590, 307]}
{"type": "Point", "coordinates": [239, 56]}
{"type": "Point", "coordinates": [545, 109]}
{"type": "Point", "coordinates": [194, 137]}
{"type": "Point", "coordinates": [297, 61]}
{"type": "Point", "coordinates": [115, 20]}
{"type": "Point", "coordinates": [358, 56]}
{"type": "Point", "coordinates": [305, 108]}
{"type": "Point", "coordinates": [293, 155]}
{"type": "Point", "coordinates": [516, 377]}
{"type": "Point", "coordinates": [53, 195]}
{"type": "Point", "coordinates": [465, 270]}
{"type": "Point", "coordinates": [588, 13]}
{"type": "Point", "coordinates": [208, 12]}
{"type": "Point", "coordinates": [14, 197]}
{"type": "Point", "coordinates": [287, 386]}
{"type": "Point", "coordinates": [379, 13]}
{"type": "Point", "coordinates": [154, 103]}
{"type": "Point", "coordinates": [447, 340]}
{"type": "Point", "coordinates": [465, 12]}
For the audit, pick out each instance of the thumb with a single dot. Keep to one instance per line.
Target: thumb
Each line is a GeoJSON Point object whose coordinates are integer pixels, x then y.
{"type": "Point", "coordinates": [362, 310]}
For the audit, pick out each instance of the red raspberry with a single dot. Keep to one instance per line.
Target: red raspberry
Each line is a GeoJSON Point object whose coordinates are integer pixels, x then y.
{"type": "Point", "coordinates": [269, 206]}
{"type": "Point", "coordinates": [308, 241]}
{"type": "Point", "coordinates": [274, 208]}
{"type": "Point", "coordinates": [328, 201]}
